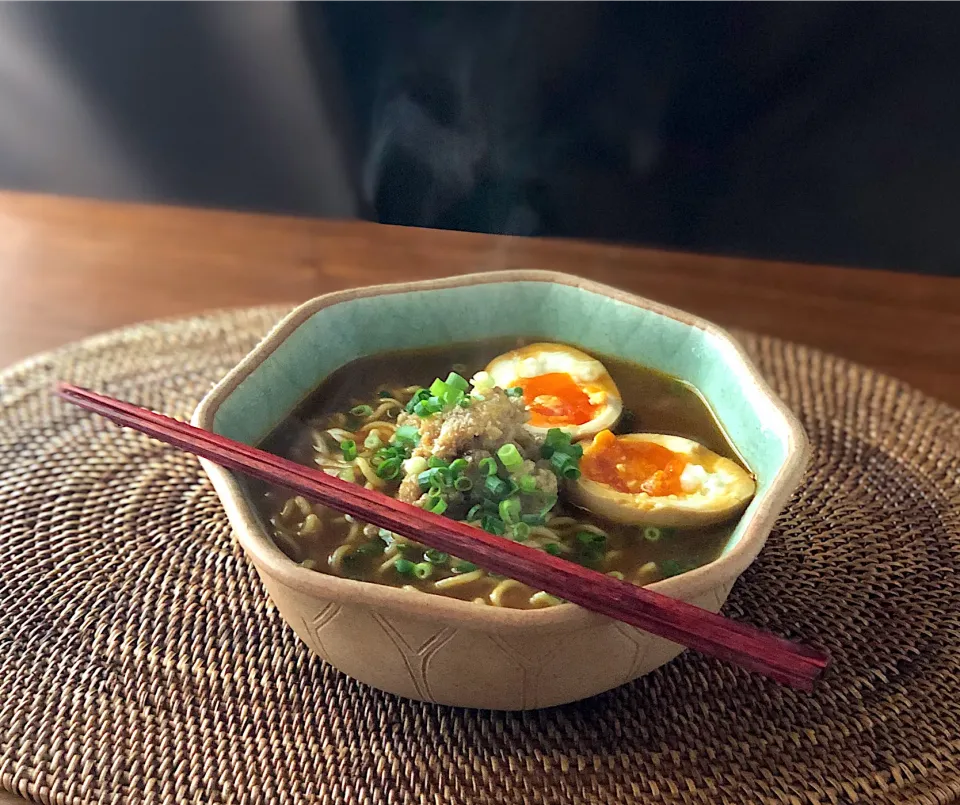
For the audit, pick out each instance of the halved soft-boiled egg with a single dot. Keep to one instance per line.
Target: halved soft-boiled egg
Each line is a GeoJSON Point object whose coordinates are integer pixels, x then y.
{"type": "Point", "coordinates": [659, 480]}
{"type": "Point", "coordinates": [562, 388]}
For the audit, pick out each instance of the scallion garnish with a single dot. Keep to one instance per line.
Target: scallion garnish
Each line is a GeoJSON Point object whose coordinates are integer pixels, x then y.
{"type": "Point", "coordinates": [527, 484]}
{"type": "Point", "coordinates": [565, 466]}
{"type": "Point", "coordinates": [403, 566]}
{"type": "Point", "coordinates": [361, 410]}
{"type": "Point", "coordinates": [492, 525]}
{"type": "Point", "coordinates": [652, 533]}
{"type": "Point", "coordinates": [459, 464]}
{"type": "Point", "coordinates": [436, 505]}
{"type": "Point", "coordinates": [456, 381]}
{"type": "Point", "coordinates": [497, 488]}
{"type": "Point", "coordinates": [423, 570]}
{"type": "Point", "coordinates": [520, 531]}
{"type": "Point", "coordinates": [510, 456]}
{"type": "Point", "coordinates": [464, 567]}
{"type": "Point", "coordinates": [553, 548]}
{"type": "Point", "coordinates": [435, 557]}
{"type": "Point", "coordinates": [406, 435]}
{"type": "Point", "coordinates": [389, 469]}
{"type": "Point", "coordinates": [463, 484]}
{"type": "Point", "coordinates": [510, 510]}
{"type": "Point", "coordinates": [515, 391]}
{"type": "Point", "coordinates": [349, 449]}
{"type": "Point", "coordinates": [488, 466]}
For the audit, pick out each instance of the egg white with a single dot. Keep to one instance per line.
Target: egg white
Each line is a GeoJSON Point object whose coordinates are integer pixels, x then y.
{"type": "Point", "coordinates": [591, 375]}
{"type": "Point", "coordinates": [715, 489]}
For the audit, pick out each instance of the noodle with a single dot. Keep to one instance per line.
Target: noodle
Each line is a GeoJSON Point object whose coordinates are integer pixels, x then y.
{"type": "Point", "coordinates": [458, 581]}
{"type": "Point", "coordinates": [367, 441]}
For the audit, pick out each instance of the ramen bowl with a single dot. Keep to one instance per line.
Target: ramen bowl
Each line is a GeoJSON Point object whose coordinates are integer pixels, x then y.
{"type": "Point", "coordinates": [453, 652]}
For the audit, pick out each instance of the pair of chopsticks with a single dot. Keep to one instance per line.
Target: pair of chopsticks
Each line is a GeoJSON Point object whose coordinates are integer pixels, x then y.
{"type": "Point", "coordinates": [790, 663]}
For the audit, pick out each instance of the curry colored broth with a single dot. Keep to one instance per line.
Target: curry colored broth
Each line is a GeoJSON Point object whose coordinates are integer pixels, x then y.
{"type": "Point", "coordinates": [653, 402]}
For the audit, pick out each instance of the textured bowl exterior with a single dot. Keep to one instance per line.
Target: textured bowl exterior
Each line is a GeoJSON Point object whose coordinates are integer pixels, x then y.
{"type": "Point", "coordinates": [457, 653]}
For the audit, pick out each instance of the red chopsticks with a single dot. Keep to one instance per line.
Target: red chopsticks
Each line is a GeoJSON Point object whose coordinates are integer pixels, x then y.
{"type": "Point", "coordinates": [790, 663]}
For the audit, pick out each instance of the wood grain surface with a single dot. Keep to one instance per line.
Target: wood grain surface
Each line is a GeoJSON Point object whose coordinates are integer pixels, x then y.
{"type": "Point", "coordinates": [70, 268]}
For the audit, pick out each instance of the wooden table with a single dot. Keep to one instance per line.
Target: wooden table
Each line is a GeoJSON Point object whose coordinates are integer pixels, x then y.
{"type": "Point", "coordinates": [71, 268]}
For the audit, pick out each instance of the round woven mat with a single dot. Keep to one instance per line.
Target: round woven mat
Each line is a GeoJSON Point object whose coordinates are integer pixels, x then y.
{"type": "Point", "coordinates": [141, 661]}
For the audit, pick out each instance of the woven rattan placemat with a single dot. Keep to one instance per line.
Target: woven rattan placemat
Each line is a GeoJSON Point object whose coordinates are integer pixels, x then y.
{"type": "Point", "coordinates": [141, 661]}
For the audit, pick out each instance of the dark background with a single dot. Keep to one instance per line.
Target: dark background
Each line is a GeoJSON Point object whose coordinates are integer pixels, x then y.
{"type": "Point", "coordinates": [818, 132]}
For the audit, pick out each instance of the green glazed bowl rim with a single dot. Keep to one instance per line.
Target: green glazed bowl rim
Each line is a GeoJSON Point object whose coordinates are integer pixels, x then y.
{"type": "Point", "coordinates": [269, 559]}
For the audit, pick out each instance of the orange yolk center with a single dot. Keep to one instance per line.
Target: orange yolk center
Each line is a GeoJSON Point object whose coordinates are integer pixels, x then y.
{"type": "Point", "coordinates": [555, 399]}
{"type": "Point", "coordinates": [633, 466]}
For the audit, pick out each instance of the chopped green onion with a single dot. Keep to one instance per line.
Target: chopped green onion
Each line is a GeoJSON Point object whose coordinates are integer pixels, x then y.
{"type": "Point", "coordinates": [553, 548]}
{"type": "Point", "coordinates": [361, 410]}
{"type": "Point", "coordinates": [435, 504]}
{"type": "Point", "coordinates": [464, 567]}
{"type": "Point", "coordinates": [389, 469]}
{"type": "Point", "coordinates": [423, 570]}
{"type": "Point", "coordinates": [456, 381]}
{"type": "Point", "coordinates": [403, 566]}
{"type": "Point", "coordinates": [384, 395]}
{"type": "Point", "coordinates": [474, 513]}
{"type": "Point", "coordinates": [532, 519]}
{"type": "Point", "coordinates": [590, 538]}
{"type": "Point", "coordinates": [465, 402]}
{"type": "Point", "coordinates": [436, 557]}
{"type": "Point", "coordinates": [565, 466]}
{"type": "Point", "coordinates": [520, 531]}
{"type": "Point", "coordinates": [515, 391]}
{"type": "Point", "coordinates": [436, 463]}
{"type": "Point", "coordinates": [549, 501]}
{"type": "Point", "coordinates": [488, 466]}
{"type": "Point", "coordinates": [438, 388]}
{"type": "Point", "coordinates": [527, 484]}
{"type": "Point", "coordinates": [510, 510]}
{"type": "Point", "coordinates": [652, 533]}
{"type": "Point", "coordinates": [373, 441]}
{"type": "Point", "coordinates": [459, 464]}
{"type": "Point", "coordinates": [510, 456]}
{"type": "Point", "coordinates": [349, 449]}
{"type": "Point", "coordinates": [418, 397]}
{"type": "Point", "coordinates": [463, 484]}
{"type": "Point", "coordinates": [492, 525]}
{"type": "Point", "coordinates": [425, 478]}
{"type": "Point", "coordinates": [575, 451]}
{"type": "Point", "coordinates": [428, 407]}
{"type": "Point", "coordinates": [406, 435]}
{"type": "Point", "coordinates": [496, 487]}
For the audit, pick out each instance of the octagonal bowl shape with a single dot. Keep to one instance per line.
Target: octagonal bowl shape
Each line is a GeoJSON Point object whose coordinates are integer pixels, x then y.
{"type": "Point", "coordinates": [453, 652]}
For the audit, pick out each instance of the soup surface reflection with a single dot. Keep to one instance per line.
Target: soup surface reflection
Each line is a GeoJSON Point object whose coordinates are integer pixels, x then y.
{"type": "Point", "coordinates": [372, 422]}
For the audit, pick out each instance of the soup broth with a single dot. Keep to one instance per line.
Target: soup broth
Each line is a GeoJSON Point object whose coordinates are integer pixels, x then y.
{"type": "Point", "coordinates": [354, 413]}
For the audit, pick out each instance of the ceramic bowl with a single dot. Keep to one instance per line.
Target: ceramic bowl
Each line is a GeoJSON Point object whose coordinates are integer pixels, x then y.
{"type": "Point", "coordinates": [457, 653]}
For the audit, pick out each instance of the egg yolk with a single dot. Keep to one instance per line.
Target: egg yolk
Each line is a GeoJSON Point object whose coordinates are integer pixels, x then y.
{"type": "Point", "coordinates": [555, 399]}
{"type": "Point", "coordinates": [633, 466]}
